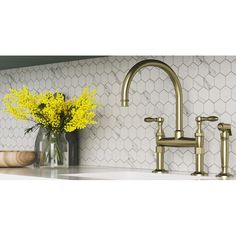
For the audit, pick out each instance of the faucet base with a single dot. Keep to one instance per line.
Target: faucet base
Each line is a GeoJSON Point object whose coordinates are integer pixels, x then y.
{"type": "Point", "coordinates": [221, 174]}
{"type": "Point", "coordinates": [199, 173]}
{"type": "Point", "coordinates": [162, 171]}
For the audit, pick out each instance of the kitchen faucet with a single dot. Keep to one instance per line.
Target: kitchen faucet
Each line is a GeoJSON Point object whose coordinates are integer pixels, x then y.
{"type": "Point", "coordinates": [178, 139]}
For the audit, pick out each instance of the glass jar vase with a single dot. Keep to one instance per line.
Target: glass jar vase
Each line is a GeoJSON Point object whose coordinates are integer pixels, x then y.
{"type": "Point", "coordinates": [52, 150]}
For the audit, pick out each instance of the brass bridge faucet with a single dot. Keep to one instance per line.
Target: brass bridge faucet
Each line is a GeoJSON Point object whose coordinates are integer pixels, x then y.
{"type": "Point", "coordinates": [178, 140]}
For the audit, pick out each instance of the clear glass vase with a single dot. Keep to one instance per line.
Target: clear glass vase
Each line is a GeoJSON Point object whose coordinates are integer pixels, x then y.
{"type": "Point", "coordinates": [52, 150]}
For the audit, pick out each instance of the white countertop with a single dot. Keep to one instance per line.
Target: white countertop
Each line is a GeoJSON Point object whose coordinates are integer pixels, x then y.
{"type": "Point", "coordinates": [88, 173]}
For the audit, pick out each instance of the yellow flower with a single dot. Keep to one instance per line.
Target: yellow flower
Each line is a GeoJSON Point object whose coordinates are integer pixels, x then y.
{"type": "Point", "coordinates": [51, 110]}
{"type": "Point", "coordinates": [20, 103]}
{"type": "Point", "coordinates": [81, 111]}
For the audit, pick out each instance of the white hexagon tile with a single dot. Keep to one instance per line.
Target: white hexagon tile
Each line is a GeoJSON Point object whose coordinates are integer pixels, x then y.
{"type": "Point", "coordinates": [121, 138]}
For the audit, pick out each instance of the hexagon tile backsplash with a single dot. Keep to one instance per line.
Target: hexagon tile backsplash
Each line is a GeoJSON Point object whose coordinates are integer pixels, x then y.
{"type": "Point", "coordinates": [121, 138]}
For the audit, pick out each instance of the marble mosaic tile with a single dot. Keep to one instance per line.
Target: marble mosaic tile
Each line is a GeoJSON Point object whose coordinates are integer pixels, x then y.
{"type": "Point", "coordinates": [121, 138]}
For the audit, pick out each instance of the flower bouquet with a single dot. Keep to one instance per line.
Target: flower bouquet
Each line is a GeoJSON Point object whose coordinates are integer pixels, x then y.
{"type": "Point", "coordinates": [54, 115]}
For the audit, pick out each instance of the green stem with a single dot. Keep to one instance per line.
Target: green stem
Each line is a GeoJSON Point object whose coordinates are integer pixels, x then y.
{"type": "Point", "coordinates": [59, 151]}
{"type": "Point", "coordinates": [44, 158]}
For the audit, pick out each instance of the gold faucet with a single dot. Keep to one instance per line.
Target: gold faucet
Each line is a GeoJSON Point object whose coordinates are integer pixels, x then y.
{"type": "Point", "coordinates": [224, 152]}
{"type": "Point", "coordinates": [178, 140]}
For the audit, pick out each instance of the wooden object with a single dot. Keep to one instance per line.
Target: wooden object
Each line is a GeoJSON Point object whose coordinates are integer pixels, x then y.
{"type": "Point", "coordinates": [16, 158]}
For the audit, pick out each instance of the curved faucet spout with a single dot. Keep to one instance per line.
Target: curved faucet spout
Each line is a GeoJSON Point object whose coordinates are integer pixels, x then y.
{"type": "Point", "coordinates": [172, 75]}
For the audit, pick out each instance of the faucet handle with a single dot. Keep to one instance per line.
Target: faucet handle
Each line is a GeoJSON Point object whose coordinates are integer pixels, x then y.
{"type": "Point", "coordinates": [200, 120]}
{"type": "Point", "coordinates": [157, 119]}
{"type": "Point", "coordinates": [225, 127]}
{"type": "Point", "coordinates": [208, 118]}
{"type": "Point", "coordinates": [160, 132]}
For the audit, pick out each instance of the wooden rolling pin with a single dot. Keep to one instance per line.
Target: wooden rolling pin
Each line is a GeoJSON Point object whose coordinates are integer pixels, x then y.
{"type": "Point", "coordinates": [16, 158]}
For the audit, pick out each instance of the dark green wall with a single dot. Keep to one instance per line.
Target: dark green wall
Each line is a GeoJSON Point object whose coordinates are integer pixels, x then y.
{"type": "Point", "coordinates": [8, 62]}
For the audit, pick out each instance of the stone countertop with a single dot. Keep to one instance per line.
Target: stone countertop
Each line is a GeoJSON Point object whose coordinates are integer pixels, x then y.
{"type": "Point", "coordinates": [58, 173]}
{"type": "Point", "coordinates": [43, 173]}
{"type": "Point", "coordinates": [89, 172]}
